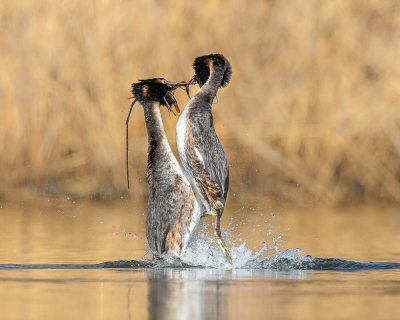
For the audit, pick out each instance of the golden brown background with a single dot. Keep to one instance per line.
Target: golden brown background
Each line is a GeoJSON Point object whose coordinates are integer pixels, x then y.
{"type": "Point", "coordinates": [312, 108]}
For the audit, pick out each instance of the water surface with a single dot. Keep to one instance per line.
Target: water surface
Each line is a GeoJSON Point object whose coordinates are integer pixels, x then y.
{"type": "Point", "coordinates": [69, 260]}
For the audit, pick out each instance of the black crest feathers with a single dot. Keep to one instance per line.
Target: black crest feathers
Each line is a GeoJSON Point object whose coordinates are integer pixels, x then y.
{"type": "Point", "coordinates": [154, 90]}
{"type": "Point", "coordinates": [201, 66]}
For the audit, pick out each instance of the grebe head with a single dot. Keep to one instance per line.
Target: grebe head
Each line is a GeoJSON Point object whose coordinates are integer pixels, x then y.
{"type": "Point", "coordinates": [156, 90]}
{"type": "Point", "coordinates": [205, 64]}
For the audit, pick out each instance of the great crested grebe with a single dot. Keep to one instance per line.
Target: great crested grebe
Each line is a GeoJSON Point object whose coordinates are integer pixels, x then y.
{"type": "Point", "coordinates": [199, 148]}
{"type": "Point", "coordinates": [172, 209]}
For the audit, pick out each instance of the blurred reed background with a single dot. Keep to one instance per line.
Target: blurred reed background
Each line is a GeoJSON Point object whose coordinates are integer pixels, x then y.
{"type": "Point", "coordinates": [312, 108]}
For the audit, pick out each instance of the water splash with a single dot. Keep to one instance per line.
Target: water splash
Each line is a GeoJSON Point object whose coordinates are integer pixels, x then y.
{"type": "Point", "coordinates": [203, 251]}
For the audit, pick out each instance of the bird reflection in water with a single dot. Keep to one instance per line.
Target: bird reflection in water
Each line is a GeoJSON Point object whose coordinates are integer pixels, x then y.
{"type": "Point", "coordinates": [178, 294]}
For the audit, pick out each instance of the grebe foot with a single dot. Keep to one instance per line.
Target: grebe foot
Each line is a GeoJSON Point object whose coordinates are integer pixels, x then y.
{"type": "Point", "coordinates": [219, 239]}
